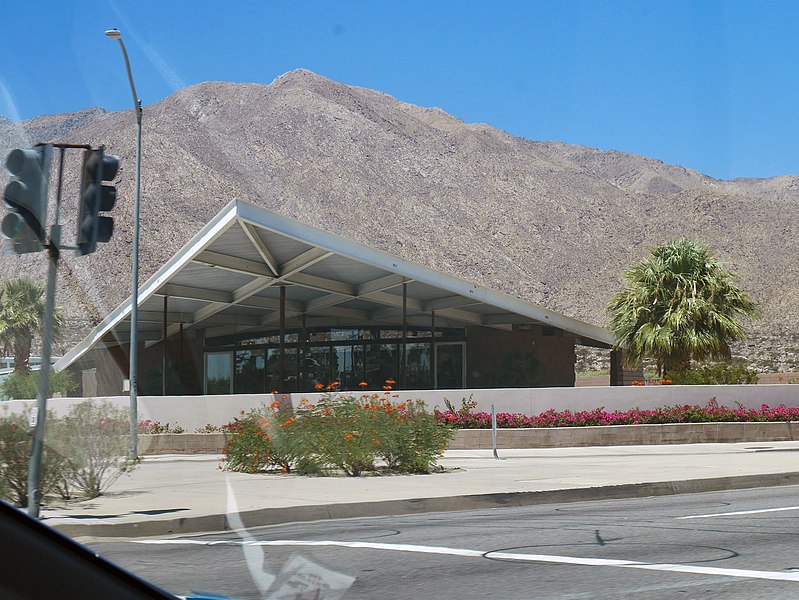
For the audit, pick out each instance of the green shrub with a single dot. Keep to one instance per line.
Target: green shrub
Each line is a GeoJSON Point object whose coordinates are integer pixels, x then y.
{"type": "Point", "coordinates": [412, 440]}
{"type": "Point", "coordinates": [715, 374]}
{"type": "Point", "coordinates": [247, 447]}
{"type": "Point", "coordinates": [24, 386]}
{"type": "Point", "coordinates": [341, 433]}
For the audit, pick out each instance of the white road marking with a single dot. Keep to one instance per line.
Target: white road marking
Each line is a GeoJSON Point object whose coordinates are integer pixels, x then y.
{"type": "Point", "coordinates": [568, 560]}
{"type": "Point", "coordinates": [742, 512]}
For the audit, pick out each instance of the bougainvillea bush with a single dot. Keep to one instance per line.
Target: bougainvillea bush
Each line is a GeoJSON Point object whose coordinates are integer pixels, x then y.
{"type": "Point", "coordinates": [340, 433]}
{"type": "Point", "coordinates": [709, 413]}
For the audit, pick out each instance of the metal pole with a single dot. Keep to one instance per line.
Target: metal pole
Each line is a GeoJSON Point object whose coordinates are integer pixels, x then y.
{"type": "Point", "coordinates": [494, 430]}
{"type": "Point", "coordinates": [134, 311]}
{"type": "Point", "coordinates": [34, 467]}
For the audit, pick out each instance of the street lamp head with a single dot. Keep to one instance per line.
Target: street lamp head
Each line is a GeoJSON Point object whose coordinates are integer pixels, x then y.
{"type": "Point", "coordinates": [114, 34]}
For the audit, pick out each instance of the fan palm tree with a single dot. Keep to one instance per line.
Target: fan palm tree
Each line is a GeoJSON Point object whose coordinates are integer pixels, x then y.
{"type": "Point", "coordinates": [678, 304]}
{"type": "Point", "coordinates": [22, 318]}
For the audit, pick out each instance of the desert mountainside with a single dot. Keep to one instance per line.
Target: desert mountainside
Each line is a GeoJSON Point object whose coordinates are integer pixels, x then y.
{"type": "Point", "coordinates": [550, 222]}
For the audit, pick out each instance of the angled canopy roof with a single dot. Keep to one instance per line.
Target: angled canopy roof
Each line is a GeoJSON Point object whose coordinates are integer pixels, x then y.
{"type": "Point", "coordinates": [227, 279]}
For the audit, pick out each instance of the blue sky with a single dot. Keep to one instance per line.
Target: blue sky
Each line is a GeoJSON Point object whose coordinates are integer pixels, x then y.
{"type": "Point", "coordinates": [708, 85]}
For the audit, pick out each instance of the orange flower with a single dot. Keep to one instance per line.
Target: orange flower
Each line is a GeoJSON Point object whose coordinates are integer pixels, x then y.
{"type": "Point", "coordinates": [375, 442]}
{"type": "Point", "coordinates": [284, 397]}
{"type": "Point", "coordinates": [390, 381]}
{"type": "Point", "coordinates": [275, 404]}
{"type": "Point", "coordinates": [348, 436]}
{"type": "Point", "coordinates": [363, 384]}
{"type": "Point", "coordinates": [275, 392]}
{"type": "Point", "coordinates": [288, 422]}
{"type": "Point", "coordinates": [387, 387]}
{"type": "Point", "coordinates": [319, 387]}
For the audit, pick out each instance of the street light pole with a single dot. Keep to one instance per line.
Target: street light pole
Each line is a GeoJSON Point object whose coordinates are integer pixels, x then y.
{"type": "Point", "coordinates": [114, 34]}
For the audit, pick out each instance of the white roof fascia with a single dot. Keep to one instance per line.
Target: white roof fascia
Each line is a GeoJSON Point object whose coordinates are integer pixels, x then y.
{"type": "Point", "coordinates": [269, 220]}
{"type": "Point", "coordinates": [216, 227]}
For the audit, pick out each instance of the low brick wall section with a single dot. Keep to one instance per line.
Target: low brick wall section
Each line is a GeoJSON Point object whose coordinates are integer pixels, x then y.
{"type": "Point", "coordinates": [627, 435]}
{"type": "Point", "coordinates": [181, 443]}
{"type": "Point", "coordinates": [548, 437]}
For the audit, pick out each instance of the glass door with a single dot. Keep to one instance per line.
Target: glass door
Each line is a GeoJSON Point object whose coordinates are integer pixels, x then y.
{"type": "Point", "coordinates": [450, 367]}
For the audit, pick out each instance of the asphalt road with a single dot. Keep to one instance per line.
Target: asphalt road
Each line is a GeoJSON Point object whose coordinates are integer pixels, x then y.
{"type": "Point", "coordinates": [666, 547]}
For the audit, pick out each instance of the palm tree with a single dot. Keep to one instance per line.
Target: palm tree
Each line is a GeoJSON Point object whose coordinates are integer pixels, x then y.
{"type": "Point", "coordinates": [22, 318]}
{"type": "Point", "coordinates": [677, 305]}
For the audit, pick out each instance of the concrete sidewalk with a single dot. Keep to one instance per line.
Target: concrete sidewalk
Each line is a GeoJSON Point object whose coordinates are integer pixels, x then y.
{"type": "Point", "coordinates": [185, 494]}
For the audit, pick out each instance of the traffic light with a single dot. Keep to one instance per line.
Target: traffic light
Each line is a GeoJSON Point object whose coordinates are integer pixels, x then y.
{"type": "Point", "coordinates": [96, 198]}
{"type": "Point", "coordinates": [26, 198]}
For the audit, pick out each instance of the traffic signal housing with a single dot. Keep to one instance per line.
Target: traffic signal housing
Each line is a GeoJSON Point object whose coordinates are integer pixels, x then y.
{"type": "Point", "coordinates": [26, 198]}
{"type": "Point", "coordinates": [95, 198]}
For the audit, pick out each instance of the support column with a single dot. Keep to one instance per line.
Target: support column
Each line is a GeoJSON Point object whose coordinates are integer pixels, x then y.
{"type": "Point", "coordinates": [621, 374]}
{"type": "Point", "coordinates": [281, 370]}
{"type": "Point", "coordinates": [433, 348]}
{"type": "Point", "coordinates": [163, 351]}
{"type": "Point", "coordinates": [404, 364]}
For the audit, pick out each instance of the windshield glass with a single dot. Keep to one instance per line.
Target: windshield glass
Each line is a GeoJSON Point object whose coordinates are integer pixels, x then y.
{"type": "Point", "coordinates": [354, 299]}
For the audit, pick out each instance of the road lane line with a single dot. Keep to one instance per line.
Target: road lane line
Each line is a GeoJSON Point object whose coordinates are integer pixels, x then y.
{"type": "Point", "coordinates": [465, 552]}
{"type": "Point", "coordinates": [742, 512]}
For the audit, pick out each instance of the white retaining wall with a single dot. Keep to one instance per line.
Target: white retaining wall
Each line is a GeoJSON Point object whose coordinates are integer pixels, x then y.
{"type": "Point", "coordinates": [192, 412]}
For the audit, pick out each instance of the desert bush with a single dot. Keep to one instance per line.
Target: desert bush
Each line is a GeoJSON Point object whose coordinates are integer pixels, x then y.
{"type": "Point", "coordinates": [715, 374]}
{"type": "Point", "coordinates": [15, 452]}
{"type": "Point", "coordinates": [24, 386]}
{"type": "Point", "coordinates": [93, 439]}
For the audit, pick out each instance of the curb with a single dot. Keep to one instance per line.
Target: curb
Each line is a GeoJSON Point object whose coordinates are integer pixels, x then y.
{"type": "Point", "coordinates": [295, 514]}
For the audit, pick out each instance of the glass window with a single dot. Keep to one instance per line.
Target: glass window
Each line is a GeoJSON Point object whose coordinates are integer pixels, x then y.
{"type": "Point", "coordinates": [315, 367]}
{"type": "Point", "coordinates": [343, 334]}
{"type": "Point", "coordinates": [419, 375]}
{"type": "Point", "coordinates": [218, 372]}
{"type": "Point", "coordinates": [250, 372]}
{"type": "Point", "coordinates": [290, 370]}
{"type": "Point", "coordinates": [382, 362]}
{"type": "Point", "coordinates": [449, 366]}
{"type": "Point", "coordinates": [348, 366]}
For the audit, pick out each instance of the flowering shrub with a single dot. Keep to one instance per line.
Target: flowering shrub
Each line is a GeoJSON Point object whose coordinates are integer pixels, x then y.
{"type": "Point", "coordinates": [709, 413]}
{"type": "Point", "coordinates": [156, 427]}
{"type": "Point", "coordinates": [340, 432]}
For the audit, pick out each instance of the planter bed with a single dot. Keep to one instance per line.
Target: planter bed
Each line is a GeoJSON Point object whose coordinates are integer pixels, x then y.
{"type": "Point", "coordinates": [545, 437]}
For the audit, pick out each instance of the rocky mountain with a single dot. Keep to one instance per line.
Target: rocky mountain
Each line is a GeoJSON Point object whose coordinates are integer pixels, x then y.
{"type": "Point", "coordinates": [550, 222]}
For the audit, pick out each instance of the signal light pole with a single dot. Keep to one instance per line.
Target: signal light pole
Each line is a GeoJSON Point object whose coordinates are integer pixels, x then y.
{"type": "Point", "coordinates": [25, 226]}
{"type": "Point", "coordinates": [114, 34]}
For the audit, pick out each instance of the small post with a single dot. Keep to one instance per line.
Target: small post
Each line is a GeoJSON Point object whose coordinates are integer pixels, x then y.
{"type": "Point", "coordinates": [494, 430]}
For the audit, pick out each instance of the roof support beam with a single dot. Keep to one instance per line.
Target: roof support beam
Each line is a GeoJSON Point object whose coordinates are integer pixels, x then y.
{"type": "Point", "coordinates": [260, 247]}
{"type": "Point", "coordinates": [450, 302]}
{"type": "Point", "coordinates": [192, 293]}
{"type": "Point", "coordinates": [291, 268]}
{"type": "Point", "coordinates": [232, 263]}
